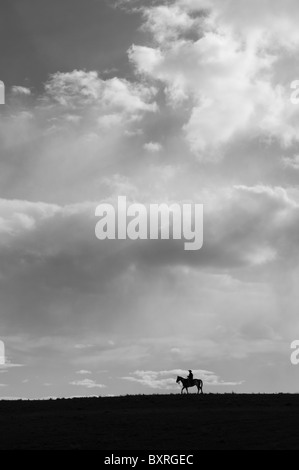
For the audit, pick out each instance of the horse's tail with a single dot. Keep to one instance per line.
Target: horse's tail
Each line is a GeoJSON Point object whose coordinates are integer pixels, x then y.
{"type": "Point", "coordinates": [199, 384]}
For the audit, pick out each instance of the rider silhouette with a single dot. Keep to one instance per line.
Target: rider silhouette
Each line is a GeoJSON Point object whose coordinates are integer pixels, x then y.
{"type": "Point", "coordinates": [190, 376]}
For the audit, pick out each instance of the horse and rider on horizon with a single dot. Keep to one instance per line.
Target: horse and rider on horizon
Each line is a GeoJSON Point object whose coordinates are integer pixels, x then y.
{"type": "Point", "coordinates": [190, 382]}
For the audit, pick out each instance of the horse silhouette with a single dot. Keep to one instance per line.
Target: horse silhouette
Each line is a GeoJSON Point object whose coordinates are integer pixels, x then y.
{"type": "Point", "coordinates": [187, 383]}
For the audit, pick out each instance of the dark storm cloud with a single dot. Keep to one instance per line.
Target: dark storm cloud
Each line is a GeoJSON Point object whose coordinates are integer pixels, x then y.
{"type": "Point", "coordinates": [51, 261]}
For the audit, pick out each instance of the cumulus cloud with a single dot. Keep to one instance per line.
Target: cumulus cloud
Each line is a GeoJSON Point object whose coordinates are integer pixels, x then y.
{"type": "Point", "coordinates": [87, 383]}
{"type": "Point", "coordinates": [20, 90]}
{"type": "Point", "coordinates": [170, 22]}
{"type": "Point", "coordinates": [80, 124]}
{"type": "Point", "coordinates": [225, 75]}
{"type": "Point", "coordinates": [166, 380]}
{"type": "Point", "coordinates": [260, 21]}
{"type": "Point", "coordinates": [80, 88]}
{"type": "Point", "coordinates": [153, 147]}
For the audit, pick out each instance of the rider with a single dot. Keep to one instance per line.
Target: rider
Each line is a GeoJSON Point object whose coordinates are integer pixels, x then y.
{"type": "Point", "coordinates": [190, 376]}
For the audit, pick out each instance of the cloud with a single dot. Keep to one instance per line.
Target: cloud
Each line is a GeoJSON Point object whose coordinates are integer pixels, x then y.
{"type": "Point", "coordinates": [224, 76]}
{"type": "Point", "coordinates": [80, 88]}
{"type": "Point", "coordinates": [161, 380]}
{"type": "Point", "coordinates": [79, 123]}
{"type": "Point", "coordinates": [292, 162]}
{"type": "Point", "coordinates": [151, 379]}
{"type": "Point", "coordinates": [153, 147]}
{"type": "Point", "coordinates": [266, 21]}
{"type": "Point", "coordinates": [8, 365]}
{"type": "Point", "coordinates": [52, 250]}
{"type": "Point", "coordinates": [20, 90]}
{"type": "Point", "coordinates": [83, 372]}
{"type": "Point", "coordinates": [87, 383]}
{"type": "Point", "coordinates": [169, 22]}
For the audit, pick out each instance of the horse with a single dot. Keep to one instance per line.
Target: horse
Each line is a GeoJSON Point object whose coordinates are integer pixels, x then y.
{"type": "Point", "coordinates": [187, 384]}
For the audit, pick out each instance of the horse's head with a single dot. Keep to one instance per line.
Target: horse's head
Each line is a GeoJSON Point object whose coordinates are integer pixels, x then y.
{"type": "Point", "coordinates": [178, 379]}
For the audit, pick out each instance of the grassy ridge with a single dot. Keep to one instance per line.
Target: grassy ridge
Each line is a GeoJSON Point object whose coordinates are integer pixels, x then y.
{"type": "Point", "coordinates": [152, 422]}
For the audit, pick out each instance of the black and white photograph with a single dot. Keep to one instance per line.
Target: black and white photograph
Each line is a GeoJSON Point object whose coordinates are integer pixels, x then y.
{"type": "Point", "coordinates": [149, 227]}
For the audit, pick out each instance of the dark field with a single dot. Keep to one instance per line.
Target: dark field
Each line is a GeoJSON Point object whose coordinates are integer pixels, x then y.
{"type": "Point", "coordinates": [153, 422]}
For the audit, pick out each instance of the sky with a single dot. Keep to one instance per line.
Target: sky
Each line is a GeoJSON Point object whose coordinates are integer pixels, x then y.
{"type": "Point", "coordinates": [161, 102]}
